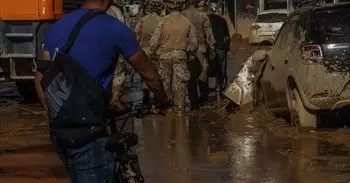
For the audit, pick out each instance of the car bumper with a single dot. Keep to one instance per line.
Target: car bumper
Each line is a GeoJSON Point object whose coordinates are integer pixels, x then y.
{"type": "Point", "coordinates": [320, 89]}
{"type": "Point", "coordinates": [331, 103]}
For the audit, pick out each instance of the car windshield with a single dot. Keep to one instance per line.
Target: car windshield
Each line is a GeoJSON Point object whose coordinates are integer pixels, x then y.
{"type": "Point", "coordinates": [332, 26]}
{"type": "Point", "coordinates": [271, 17]}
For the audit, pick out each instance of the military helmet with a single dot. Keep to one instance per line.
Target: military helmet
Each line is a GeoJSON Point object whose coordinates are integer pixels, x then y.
{"type": "Point", "coordinates": [119, 3]}
{"type": "Point", "coordinates": [174, 3]}
{"type": "Point", "coordinates": [193, 2]}
{"type": "Point", "coordinates": [154, 6]}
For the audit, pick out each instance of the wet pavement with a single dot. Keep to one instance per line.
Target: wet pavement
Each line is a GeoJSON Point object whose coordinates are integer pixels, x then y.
{"type": "Point", "coordinates": [203, 147]}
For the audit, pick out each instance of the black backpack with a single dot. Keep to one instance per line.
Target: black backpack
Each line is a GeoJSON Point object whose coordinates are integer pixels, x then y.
{"type": "Point", "coordinates": [76, 102]}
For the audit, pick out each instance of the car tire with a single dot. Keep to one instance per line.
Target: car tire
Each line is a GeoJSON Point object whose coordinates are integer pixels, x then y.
{"type": "Point", "coordinates": [300, 116]}
{"type": "Point", "coordinates": [28, 92]}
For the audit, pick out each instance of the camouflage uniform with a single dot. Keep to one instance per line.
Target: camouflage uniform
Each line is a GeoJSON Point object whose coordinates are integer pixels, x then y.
{"type": "Point", "coordinates": [115, 12]}
{"type": "Point", "coordinates": [205, 37]}
{"type": "Point", "coordinates": [145, 28]}
{"type": "Point", "coordinates": [173, 38]}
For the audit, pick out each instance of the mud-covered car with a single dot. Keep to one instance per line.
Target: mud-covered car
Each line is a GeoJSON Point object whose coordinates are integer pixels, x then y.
{"type": "Point", "coordinates": [308, 69]}
{"type": "Point", "coordinates": [266, 24]}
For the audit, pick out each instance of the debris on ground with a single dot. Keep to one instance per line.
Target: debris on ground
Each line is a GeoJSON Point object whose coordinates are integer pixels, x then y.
{"type": "Point", "coordinates": [8, 94]}
{"type": "Point", "coordinates": [240, 89]}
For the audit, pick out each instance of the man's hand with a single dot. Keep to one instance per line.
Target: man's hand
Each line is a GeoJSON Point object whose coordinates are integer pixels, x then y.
{"type": "Point", "coordinates": [203, 76]}
{"type": "Point", "coordinates": [191, 56]}
{"type": "Point", "coordinates": [212, 55]}
{"type": "Point", "coordinates": [160, 111]}
{"type": "Point", "coordinates": [40, 113]}
{"type": "Point", "coordinates": [44, 57]}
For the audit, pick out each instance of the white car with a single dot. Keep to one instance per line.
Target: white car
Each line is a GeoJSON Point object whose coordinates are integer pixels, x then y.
{"type": "Point", "coordinates": [266, 25]}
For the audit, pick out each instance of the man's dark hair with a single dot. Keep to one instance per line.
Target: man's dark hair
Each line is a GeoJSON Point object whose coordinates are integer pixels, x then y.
{"type": "Point", "coordinates": [84, 1]}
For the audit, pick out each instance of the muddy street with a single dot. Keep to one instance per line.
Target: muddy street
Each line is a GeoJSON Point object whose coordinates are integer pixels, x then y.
{"type": "Point", "coordinates": [199, 148]}
{"type": "Point", "coordinates": [202, 147]}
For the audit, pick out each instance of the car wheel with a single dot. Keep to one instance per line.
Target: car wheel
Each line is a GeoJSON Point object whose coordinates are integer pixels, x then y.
{"type": "Point", "coordinates": [301, 117]}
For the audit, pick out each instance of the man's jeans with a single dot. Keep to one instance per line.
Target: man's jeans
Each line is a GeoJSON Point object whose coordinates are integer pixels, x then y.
{"type": "Point", "coordinates": [91, 163]}
{"type": "Point", "coordinates": [221, 59]}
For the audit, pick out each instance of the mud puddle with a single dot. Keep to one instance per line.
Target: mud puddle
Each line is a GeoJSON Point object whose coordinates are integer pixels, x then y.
{"type": "Point", "coordinates": [199, 148]}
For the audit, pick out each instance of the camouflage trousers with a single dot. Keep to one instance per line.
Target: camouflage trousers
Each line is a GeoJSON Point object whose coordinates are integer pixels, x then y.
{"type": "Point", "coordinates": [175, 74]}
{"type": "Point", "coordinates": [202, 58]}
{"type": "Point", "coordinates": [118, 81]}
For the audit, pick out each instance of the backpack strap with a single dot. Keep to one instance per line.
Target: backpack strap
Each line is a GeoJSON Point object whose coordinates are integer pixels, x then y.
{"type": "Point", "coordinates": [77, 27]}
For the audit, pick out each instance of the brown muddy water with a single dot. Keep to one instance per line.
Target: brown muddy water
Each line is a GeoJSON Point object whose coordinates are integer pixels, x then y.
{"type": "Point", "coordinates": [199, 148]}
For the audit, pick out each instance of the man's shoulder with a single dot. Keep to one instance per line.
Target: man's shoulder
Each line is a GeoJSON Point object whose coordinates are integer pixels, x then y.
{"type": "Point", "coordinates": [65, 24]}
{"type": "Point", "coordinates": [217, 18]}
{"type": "Point", "coordinates": [75, 16]}
{"type": "Point", "coordinates": [151, 17]}
{"type": "Point", "coordinates": [180, 19]}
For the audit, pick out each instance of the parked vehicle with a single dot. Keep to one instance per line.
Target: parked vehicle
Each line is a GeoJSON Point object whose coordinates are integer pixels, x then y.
{"type": "Point", "coordinates": [308, 69]}
{"type": "Point", "coordinates": [266, 24]}
{"type": "Point", "coordinates": [23, 24]}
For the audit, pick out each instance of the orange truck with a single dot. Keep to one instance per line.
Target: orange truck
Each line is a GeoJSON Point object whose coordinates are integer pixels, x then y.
{"type": "Point", "coordinates": [23, 24]}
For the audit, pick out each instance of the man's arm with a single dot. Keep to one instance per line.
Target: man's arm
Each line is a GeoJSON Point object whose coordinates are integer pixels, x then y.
{"type": "Point", "coordinates": [155, 40]}
{"type": "Point", "coordinates": [210, 40]}
{"type": "Point", "coordinates": [149, 73]}
{"type": "Point", "coordinates": [44, 57]}
{"type": "Point", "coordinates": [138, 29]}
{"type": "Point", "coordinates": [227, 35]}
{"type": "Point", "coordinates": [192, 41]}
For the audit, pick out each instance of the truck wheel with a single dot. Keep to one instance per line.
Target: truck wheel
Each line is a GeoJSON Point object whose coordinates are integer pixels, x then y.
{"type": "Point", "coordinates": [300, 116]}
{"type": "Point", "coordinates": [27, 90]}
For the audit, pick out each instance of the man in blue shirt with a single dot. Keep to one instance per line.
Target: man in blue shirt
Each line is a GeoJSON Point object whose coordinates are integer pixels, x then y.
{"type": "Point", "coordinates": [97, 47]}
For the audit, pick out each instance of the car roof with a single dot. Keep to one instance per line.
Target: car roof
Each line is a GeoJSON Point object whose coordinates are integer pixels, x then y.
{"type": "Point", "coordinates": [332, 5]}
{"type": "Point", "coordinates": [323, 7]}
{"type": "Point", "coordinates": [285, 11]}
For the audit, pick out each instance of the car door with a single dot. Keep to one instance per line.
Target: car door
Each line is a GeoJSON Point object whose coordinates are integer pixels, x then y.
{"type": "Point", "coordinates": [276, 69]}
{"type": "Point", "coordinates": [284, 60]}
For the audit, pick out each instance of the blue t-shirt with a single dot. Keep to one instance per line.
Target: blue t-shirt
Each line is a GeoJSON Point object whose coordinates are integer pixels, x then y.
{"type": "Point", "coordinates": [98, 44]}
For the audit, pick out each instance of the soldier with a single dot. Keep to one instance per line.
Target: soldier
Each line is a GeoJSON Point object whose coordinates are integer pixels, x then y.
{"type": "Point", "coordinates": [146, 26]}
{"type": "Point", "coordinates": [205, 40]}
{"type": "Point", "coordinates": [116, 10]}
{"type": "Point", "coordinates": [173, 38]}
{"type": "Point", "coordinates": [133, 15]}
{"type": "Point", "coordinates": [144, 30]}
